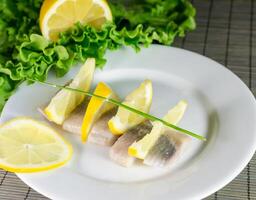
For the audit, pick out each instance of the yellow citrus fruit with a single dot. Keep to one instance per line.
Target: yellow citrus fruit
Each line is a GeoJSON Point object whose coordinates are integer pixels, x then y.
{"type": "Point", "coordinates": [97, 107]}
{"type": "Point", "coordinates": [140, 99]}
{"type": "Point", "coordinates": [65, 101]}
{"type": "Point", "coordinates": [59, 15]}
{"type": "Point", "coordinates": [141, 148]}
{"type": "Point", "coordinates": [27, 145]}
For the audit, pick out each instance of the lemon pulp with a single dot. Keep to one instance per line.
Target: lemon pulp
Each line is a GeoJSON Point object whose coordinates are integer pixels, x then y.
{"type": "Point", "coordinates": [141, 148]}
{"type": "Point", "coordinates": [65, 101]}
{"type": "Point", "coordinates": [141, 99]}
{"type": "Point", "coordinates": [59, 15]}
{"type": "Point", "coordinates": [27, 145]}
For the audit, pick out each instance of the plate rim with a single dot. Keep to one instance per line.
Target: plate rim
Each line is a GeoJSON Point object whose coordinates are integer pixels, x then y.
{"type": "Point", "coordinates": [242, 164]}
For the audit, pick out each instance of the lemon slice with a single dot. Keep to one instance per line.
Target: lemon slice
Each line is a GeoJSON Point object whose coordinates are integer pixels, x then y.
{"type": "Point", "coordinates": [140, 99]}
{"type": "Point", "coordinates": [97, 107]}
{"type": "Point", "coordinates": [59, 15]}
{"type": "Point", "coordinates": [65, 101]}
{"type": "Point", "coordinates": [27, 145]}
{"type": "Point", "coordinates": [141, 148]}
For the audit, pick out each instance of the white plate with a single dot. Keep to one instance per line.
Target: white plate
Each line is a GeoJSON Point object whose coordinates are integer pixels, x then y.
{"type": "Point", "coordinates": [221, 108]}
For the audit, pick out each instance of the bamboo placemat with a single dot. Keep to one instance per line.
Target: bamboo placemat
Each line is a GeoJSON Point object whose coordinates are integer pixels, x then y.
{"type": "Point", "coordinates": [226, 32]}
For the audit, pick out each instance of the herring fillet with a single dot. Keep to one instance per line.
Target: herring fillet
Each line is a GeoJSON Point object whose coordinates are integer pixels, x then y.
{"type": "Point", "coordinates": [74, 122]}
{"type": "Point", "coordinates": [99, 134]}
{"type": "Point", "coordinates": [119, 151]}
{"type": "Point", "coordinates": [166, 149]}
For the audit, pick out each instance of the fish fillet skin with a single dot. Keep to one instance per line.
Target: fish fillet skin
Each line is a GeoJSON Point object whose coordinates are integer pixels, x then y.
{"type": "Point", "coordinates": [100, 133]}
{"type": "Point", "coordinates": [166, 149]}
{"type": "Point", "coordinates": [119, 151]}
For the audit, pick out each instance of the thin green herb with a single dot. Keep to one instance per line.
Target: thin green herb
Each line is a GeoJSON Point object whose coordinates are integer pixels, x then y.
{"type": "Point", "coordinates": [25, 53]}
{"type": "Point", "coordinates": [146, 115]}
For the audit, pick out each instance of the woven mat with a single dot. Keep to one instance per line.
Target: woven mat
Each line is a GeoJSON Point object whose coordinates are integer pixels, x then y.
{"type": "Point", "coordinates": [226, 32]}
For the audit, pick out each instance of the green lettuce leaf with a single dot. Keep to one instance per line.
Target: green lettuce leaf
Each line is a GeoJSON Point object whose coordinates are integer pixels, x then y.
{"type": "Point", "coordinates": [24, 53]}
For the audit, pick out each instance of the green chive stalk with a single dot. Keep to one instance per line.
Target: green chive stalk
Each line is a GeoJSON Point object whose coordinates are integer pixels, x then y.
{"type": "Point", "coordinates": [131, 109]}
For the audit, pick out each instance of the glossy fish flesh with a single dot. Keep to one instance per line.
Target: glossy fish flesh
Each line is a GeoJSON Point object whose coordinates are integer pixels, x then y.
{"type": "Point", "coordinates": [99, 134]}
{"type": "Point", "coordinates": [166, 149]}
{"type": "Point", "coordinates": [74, 122]}
{"type": "Point", "coordinates": [119, 151]}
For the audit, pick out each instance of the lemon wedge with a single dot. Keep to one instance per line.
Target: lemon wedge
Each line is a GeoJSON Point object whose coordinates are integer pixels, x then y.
{"type": "Point", "coordinates": [27, 145]}
{"type": "Point", "coordinates": [141, 99]}
{"type": "Point", "coordinates": [141, 148]}
{"type": "Point", "coordinates": [97, 107]}
{"type": "Point", "coordinates": [59, 15]}
{"type": "Point", "coordinates": [65, 101]}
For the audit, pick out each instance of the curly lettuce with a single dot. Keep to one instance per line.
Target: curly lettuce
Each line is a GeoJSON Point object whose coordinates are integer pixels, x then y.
{"type": "Point", "coordinates": [25, 53]}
